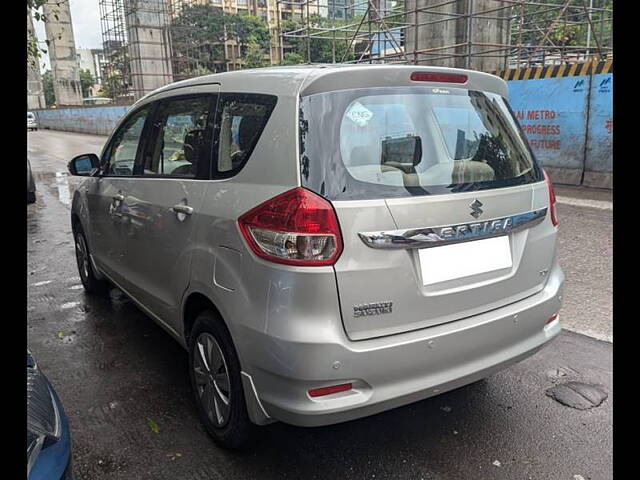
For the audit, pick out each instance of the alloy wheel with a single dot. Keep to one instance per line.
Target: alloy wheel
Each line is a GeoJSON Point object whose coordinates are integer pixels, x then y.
{"type": "Point", "coordinates": [82, 257]}
{"type": "Point", "coordinates": [212, 379]}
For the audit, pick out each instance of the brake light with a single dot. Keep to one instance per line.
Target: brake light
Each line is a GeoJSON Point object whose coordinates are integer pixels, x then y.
{"type": "Point", "coordinates": [297, 227]}
{"type": "Point", "coordinates": [552, 200]}
{"type": "Point", "coordinates": [320, 392]}
{"type": "Point", "coordinates": [438, 77]}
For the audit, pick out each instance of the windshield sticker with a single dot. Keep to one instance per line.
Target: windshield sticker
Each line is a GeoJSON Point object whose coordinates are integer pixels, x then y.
{"type": "Point", "coordinates": [359, 114]}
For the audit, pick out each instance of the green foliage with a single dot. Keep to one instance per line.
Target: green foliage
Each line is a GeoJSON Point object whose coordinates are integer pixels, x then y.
{"type": "Point", "coordinates": [248, 29]}
{"type": "Point", "coordinates": [47, 85]}
{"type": "Point", "coordinates": [113, 85]}
{"type": "Point", "coordinates": [198, 34]}
{"type": "Point", "coordinates": [254, 56]}
{"type": "Point", "coordinates": [315, 50]}
{"type": "Point", "coordinates": [34, 51]}
{"type": "Point", "coordinates": [86, 82]}
{"type": "Point", "coordinates": [571, 28]}
{"type": "Point", "coordinates": [292, 58]}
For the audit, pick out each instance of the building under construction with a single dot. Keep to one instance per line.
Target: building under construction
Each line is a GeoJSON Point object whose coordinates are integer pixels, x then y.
{"type": "Point", "coordinates": [149, 43]}
{"type": "Point", "coordinates": [485, 35]}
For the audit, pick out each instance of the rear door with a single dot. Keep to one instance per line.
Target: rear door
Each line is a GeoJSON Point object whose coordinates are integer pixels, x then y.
{"type": "Point", "coordinates": [441, 205]}
{"type": "Point", "coordinates": [164, 206]}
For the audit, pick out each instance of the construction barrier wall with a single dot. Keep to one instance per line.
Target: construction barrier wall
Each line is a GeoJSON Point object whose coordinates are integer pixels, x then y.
{"type": "Point", "coordinates": [566, 112]}
{"type": "Point", "coordinates": [98, 120]}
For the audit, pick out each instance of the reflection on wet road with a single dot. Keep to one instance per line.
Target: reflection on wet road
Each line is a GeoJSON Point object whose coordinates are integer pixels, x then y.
{"type": "Point", "coordinates": [62, 181]}
{"type": "Point", "coordinates": [115, 371]}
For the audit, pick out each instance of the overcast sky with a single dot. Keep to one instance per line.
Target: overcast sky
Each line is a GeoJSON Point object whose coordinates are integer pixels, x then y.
{"type": "Point", "coordinates": [85, 16]}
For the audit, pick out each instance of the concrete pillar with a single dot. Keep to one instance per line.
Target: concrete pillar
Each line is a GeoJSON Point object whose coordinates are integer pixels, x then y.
{"type": "Point", "coordinates": [149, 52]}
{"type": "Point", "coordinates": [62, 54]}
{"type": "Point", "coordinates": [449, 31]}
{"type": "Point", "coordinates": [35, 90]}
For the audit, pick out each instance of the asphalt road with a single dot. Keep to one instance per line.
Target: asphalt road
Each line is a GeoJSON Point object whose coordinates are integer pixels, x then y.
{"type": "Point", "coordinates": [118, 374]}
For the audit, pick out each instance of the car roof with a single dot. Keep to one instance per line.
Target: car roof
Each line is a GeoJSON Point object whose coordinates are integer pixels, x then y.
{"type": "Point", "coordinates": [291, 81]}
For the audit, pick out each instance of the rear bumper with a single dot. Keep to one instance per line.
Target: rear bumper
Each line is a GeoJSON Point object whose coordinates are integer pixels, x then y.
{"type": "Point", "coordinates": [397, 370]}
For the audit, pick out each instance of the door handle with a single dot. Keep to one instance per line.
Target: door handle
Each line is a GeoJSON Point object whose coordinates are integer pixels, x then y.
{"type": "Point", "coordinates": [115, 205]}
{"type": "Point", "coordinates": [184, 209]}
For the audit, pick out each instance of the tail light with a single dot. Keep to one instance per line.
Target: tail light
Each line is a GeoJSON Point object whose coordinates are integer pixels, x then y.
{"type": "Point", "coordinates": [552, 200]}
{"type": "Point", "coordinates": [552, 318]}
{"type": "Point", "coordinates": [296, 227]}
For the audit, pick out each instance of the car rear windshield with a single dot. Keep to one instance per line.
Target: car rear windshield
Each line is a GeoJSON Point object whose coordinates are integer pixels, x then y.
{"type": "Point", "coordinates": [402, 141]}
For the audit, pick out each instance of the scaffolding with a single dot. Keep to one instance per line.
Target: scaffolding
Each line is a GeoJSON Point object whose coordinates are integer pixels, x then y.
{"type": "Point", "coordinates": [116, 72]}
{"type": "Point", "coordinates": [149, 43]}
{"type": "Point", "coordinates": [206, 38]}
{"type": "Point", "coordinates": [487, 35]}
{"type": "Point", "coordinates": [136, 44]}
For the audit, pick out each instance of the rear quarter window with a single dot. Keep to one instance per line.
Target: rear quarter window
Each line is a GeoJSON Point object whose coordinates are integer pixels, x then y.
{"type": "Point", "coordinates": [240, 120]}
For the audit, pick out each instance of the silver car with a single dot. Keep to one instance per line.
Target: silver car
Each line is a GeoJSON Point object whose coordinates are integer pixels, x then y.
{"type": "Point", "coordinates": [327, 242]}
{"type": "Point", "coordinates": [32, 123]}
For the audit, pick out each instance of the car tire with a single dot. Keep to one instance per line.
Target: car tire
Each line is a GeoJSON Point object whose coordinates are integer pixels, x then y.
{"type": "Point", "coordinates": [90, 281]}
{"type": "Point", "coordinates": [31, 197]}
{"type": "Point", "coordinates": [228, 423]}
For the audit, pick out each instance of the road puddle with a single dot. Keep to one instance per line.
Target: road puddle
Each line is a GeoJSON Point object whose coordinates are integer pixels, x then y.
{"type": "Point", "coordinates": [62, 182]}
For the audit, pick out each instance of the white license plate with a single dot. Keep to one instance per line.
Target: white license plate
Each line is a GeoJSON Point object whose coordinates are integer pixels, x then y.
{"type": "Point", "coordinates": [459, 260]}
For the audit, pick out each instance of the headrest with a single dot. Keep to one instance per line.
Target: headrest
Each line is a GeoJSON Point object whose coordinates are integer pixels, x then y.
{"type": "Point", "coordinates": [192, 144]}
{"type": "Point", "coordinates": [248, 129]}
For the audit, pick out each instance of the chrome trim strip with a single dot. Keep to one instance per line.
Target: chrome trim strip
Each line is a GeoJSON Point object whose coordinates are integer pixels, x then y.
{"type": "Point", "coordinates": [445, 235]}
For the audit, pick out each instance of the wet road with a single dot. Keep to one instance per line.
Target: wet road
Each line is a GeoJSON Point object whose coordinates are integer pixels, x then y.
{"type": "Point", "coordinates": [117, 372]}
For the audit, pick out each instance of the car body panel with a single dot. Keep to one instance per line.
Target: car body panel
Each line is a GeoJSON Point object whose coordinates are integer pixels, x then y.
{"type": "Point", "coordinates": [158, 242]}
{"type": "Point", "coordinates": [53, 460]}
{"type": "Point", "coordinates": [109, 223]}
{"type": "Point", "coordinates": [366, 275]}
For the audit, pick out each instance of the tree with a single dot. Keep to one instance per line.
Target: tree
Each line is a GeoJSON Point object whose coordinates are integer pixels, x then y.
{"type": "Point", "coordinates": [47, 85]}
{"type": "Point", "coordinates": [86, 82]}
{"type": "Point", "coordinates": [320, 50]}
{"type": "Point", "coordinates": [254, 56]}
{"type": "Point", "coordinates": [33, 48]}
{"type": "Point", "coordinates": [112, 86]}
{"type": "Point", "coordinates": [571, 28]}
{"type": "Point", "coordinates": [292, 58]}
{"type": "Point", "coordinates": [199, 32]}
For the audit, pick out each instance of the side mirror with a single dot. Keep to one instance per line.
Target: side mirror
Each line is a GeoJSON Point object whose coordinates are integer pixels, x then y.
{"type": "Point", "coordinates": [84, 165]}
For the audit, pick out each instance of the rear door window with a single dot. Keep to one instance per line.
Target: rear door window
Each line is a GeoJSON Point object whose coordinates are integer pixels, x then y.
{"type": "Point", "coordinates": [181, 145]}
{"type": "Point", "coordinates": [410, 141]}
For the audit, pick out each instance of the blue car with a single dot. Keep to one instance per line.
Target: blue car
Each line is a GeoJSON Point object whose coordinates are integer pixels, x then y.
{"type": "Point", "coordinates": [48, 440]}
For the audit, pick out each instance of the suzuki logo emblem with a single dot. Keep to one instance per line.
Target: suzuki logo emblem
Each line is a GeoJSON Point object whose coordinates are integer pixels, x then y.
{"type": "Point", "coordinates": [476, 211]}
